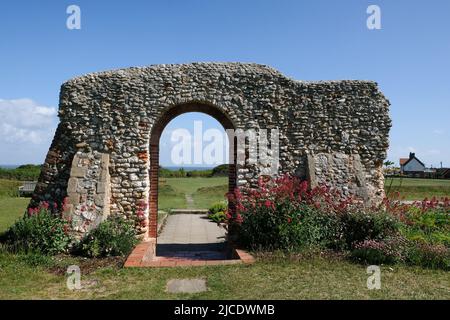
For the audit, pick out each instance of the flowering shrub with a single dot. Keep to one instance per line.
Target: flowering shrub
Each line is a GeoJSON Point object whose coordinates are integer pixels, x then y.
{"type": "Point", "coordinates": [364, 224]}
{"type": "Point", "coordinates": [426, 221]}
{"type": "Point", "coordinates": [388, 251]}
{"type": "Point", "coordinates": [436, 256]}
{"type": "Point", "coordinates": [115, 236]}
{"type": "Point", "coordinates": [39, 231]}
{"type": "Point", "coordinates": [284, 213]}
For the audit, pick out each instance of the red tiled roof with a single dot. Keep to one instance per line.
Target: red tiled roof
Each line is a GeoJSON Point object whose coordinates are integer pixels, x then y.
{"type": "Point", "coordinates": [403, 161]}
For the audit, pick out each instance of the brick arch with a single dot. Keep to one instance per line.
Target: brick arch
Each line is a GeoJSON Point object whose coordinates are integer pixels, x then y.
{"type": "Point", "coordinates": [155, 136]}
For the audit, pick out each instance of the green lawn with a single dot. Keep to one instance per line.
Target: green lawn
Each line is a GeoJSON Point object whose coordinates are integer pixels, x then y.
{"type": "Point", "coordinates": [417, 189]}
{"type": "Point", "coordinates": [169, 198]}
{"type": "Point", "coordinates": [309, 278]}
{"type": "Point", "coordinates": [9, 188]}
{"type": "Point", "coordinates": [418, 182]}
{"type": "Point", "coordinates": [11, 209]}
{"type": "Point", "coordinates": [204, 191]}
{"type": "Point", "coordinates": [11, 206]}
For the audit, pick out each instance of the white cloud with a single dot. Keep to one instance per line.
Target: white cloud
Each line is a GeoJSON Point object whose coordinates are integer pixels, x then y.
{"type": "Point", "coordinates": [438, 132]}
{"type": "Point", "coordinates": [25, 121]}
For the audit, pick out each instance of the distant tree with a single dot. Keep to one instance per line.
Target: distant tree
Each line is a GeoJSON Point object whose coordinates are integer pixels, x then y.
{"type": "Point", "coordinates": [23, 172]}
{"type": "Point", "coordinates": [388, 163]}
{"type": "Point", "coordinates": [221, 170]}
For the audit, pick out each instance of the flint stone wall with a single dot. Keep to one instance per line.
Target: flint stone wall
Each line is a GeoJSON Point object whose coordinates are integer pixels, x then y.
{"type": "Point", "coordinates": [331, 132]}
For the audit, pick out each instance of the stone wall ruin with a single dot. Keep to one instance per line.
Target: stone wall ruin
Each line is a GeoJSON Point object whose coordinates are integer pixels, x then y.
{"type": "Point", "coordinates": [104, 155]}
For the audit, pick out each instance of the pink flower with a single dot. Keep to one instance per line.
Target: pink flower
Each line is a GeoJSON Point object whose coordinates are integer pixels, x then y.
{"type": "Point", "coordinates": [31, 211]}
{"type": "Point", "coordinates": [269, 204]}
{"type": "Point", "coordinates": [44, 205]}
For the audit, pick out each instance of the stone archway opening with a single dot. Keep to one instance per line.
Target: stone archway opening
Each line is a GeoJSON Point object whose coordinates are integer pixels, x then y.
{"type": "Point", "coordinates": [155, 136]}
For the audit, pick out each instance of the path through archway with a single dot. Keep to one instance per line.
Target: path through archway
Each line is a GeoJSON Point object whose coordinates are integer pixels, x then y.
{"type": "Point", "coordinates": [187, 235]}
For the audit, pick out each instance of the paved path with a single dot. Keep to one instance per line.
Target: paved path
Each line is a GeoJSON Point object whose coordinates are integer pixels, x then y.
{"type": "Point", "coordinates": [189, 201]}
{"type": "Point", "coordinates": [191, 236]}
{"type": "Point", "coordinates": [187, 240]}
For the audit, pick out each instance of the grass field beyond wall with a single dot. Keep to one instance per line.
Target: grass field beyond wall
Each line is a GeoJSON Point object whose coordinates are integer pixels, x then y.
{"type": "Point", "coordinates": [417, 189]}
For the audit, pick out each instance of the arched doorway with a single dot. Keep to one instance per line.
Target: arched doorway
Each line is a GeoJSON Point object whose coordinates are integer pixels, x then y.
{"type": "Point", "coordinates": [155, 135]}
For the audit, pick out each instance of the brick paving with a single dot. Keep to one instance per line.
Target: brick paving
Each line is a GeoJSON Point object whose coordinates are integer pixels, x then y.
{"type": "Point", "coordinates": [188, 240]}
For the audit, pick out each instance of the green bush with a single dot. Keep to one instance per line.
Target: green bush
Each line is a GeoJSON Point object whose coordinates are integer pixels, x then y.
{"type": "Point", "coordinates": [431, 226]}
{"type": "Point", "coordinates": [39, 231]}
{"type": "Point", "coordinates": [428, 255]}
{"type": "Point", "coordinates": [182, 173]}
{"type": "Point", "coordinates": [218, 207]}
{"type": "Point", "coordinates": [218, 217]}
{"type": "Point", "coordinates": [220, 171]}
{"type": "Point", "coordinates": [217, 212]}
{"type": "Point", "coordinates": [115, 236]}
{"type": "Point", "coordinates": [320, 229]}
{"type": "Point", "coordinates": [415, 234]}
{"type": "Point", "coordinates": [387, 251]}
{"type": "Point", "coordinates": [37, 259]}
{"type": "Point", "coordinates": [24, 172]}
{"type": "Point", "coordinates": [302, 228]}
{"type": "Point", "coordinates": [367, 225]}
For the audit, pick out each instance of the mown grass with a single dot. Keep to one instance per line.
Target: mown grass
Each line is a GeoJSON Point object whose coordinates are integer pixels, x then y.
{"type": "Point", "coordinates": [417, 189]}
{"type": "Point", "coordinates": [11, 206]}
{"type": "Point", "coordinates": [11, 209]}
{"type": "Point", "coordinates": [414, 182]}
{"type": "Point", "coordinates": [169, 198]}
{"type": "Point", "coordinates": [206, 196]}
{"type": "Point", "coordinates": [204, 191]}
{"type": "Point", "coordinates": [310, 278]}
{"type": "Point", "coordinates": [9, 188]}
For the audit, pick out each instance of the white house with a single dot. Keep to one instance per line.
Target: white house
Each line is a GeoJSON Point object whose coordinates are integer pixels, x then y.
{"type": "Point", "coordinates": [412, 165]}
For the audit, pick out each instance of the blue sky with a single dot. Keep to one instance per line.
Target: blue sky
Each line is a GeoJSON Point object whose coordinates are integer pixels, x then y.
{"type": "Point", "coordinates": [306, 40]}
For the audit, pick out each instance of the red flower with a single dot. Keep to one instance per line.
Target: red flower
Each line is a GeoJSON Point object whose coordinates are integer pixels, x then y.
{"type": "Point", "coordinates": [44, 205]}
{"type": "Point", "coordinates": [269, 204]}
{"type": "Point", "coordinates": [32, 211]}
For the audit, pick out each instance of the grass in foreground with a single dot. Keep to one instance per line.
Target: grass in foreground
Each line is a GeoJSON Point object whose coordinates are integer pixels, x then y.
{"type": "Point", "coordinates": [310, 278]}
